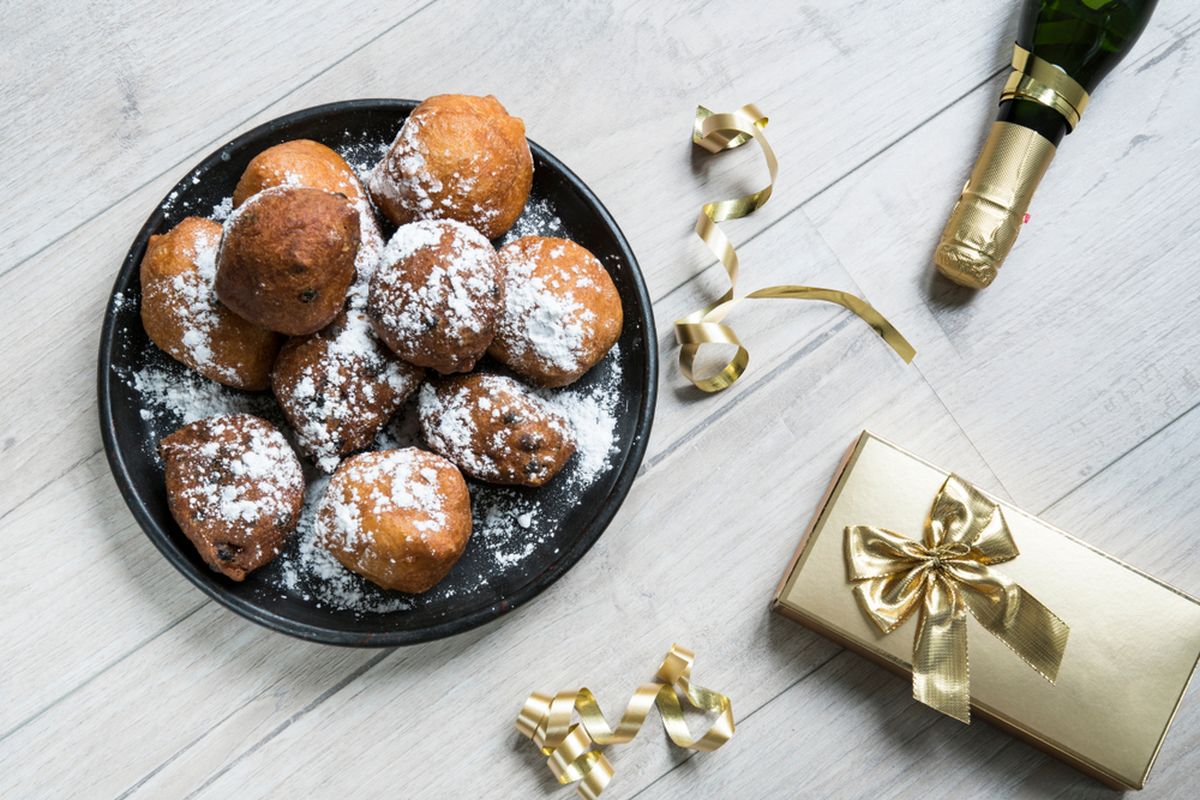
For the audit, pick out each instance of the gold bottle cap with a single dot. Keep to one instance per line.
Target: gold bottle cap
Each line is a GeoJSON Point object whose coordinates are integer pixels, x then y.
{"type": "Point", "coordinates": [984, 223]}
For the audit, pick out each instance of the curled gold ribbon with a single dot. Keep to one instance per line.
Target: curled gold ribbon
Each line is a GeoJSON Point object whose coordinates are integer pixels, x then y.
{"type": "Point", "coordinates": [943, 578]}
{"type": "Point", "coordinates": [569, 746]}
{"type": "Point", "coordinates": [716, 133]}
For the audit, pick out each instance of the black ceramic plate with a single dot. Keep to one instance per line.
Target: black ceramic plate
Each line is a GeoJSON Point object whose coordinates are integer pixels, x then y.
{"type": "Point", "coordinates": [483, 585]}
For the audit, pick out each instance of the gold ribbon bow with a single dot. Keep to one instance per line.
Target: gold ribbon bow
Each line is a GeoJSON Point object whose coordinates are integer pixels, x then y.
{"type": "Point", "coordinates": [943, 578]}
{"type": "Point", "coordinates": [716, 133]}
{"type": "Point", "coordinates": [548, 722]}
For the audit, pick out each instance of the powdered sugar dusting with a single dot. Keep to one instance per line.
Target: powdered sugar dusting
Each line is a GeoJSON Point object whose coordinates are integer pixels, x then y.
{"type": "Point", "coordinates": [193, 304]}
{"type": "Point", "coordinates": [350, 380]}
{"type": "Point", "coordinates": [172, 396]}
{"type": "Point", "coordinates": [539, 218]}
{"type": "Point", "coordinates": [370, 250]}
{"type": "Point", "coordinates": [384, 482]}
{"type": "Point", "coordinates": [310, 571]}
{"type": "Point", "coordinates": [541, 313]}
{"type": "Point", "coordinates": [458, 288]}
{"type": "Point", "coordinates": [263, 471]}
{"type": "Point", "coordinates": [456, 416]}
{"type": "Point", "coordinates": [403, 177]}
{"type": "Point", "coordinates": [591, 413]}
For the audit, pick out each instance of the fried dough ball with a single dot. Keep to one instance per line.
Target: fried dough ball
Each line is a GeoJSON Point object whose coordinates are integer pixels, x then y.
{"type": "Point", "coordinates": [339, 386]}
{"type": "Point", "coordinates": [182, 316]}
{"type": "Point", "coordinates": [300, 162]}
{"type": "Point", "coordinates": [456, 157]}
{"type": "Point", "coordinates": [561, 314]}
{"type": "Point", "coordinates": [400, 518]}
{"type": "Point", "coordinates": [287, 258]}
{"type": "Point", "coordinates": [436, 294]}
{"type": "Point", "coordinates": [235, 487]}
{"type": "Point", "coordinates": [303, 162]}
{"type": "Point", "coordinates": [495, 429]}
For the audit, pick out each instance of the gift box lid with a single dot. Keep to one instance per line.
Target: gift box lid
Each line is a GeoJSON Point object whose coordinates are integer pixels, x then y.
{"type": "Point", "coordinates": [1134, 641]}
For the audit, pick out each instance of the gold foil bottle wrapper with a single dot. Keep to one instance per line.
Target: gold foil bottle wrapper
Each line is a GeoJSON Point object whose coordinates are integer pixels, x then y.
{"type": "Point", "coordinates": [991, 209]}
{"type": "Point", "coordinates": [987, 218]}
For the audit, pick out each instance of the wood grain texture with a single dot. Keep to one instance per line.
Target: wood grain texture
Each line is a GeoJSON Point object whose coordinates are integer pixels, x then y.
{"type": "Point", "coordinates": [1070, 387]}
{"type": "Point", "coordinates": [101, 97]}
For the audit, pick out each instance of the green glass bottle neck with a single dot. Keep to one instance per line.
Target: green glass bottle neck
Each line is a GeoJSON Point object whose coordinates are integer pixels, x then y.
{"type": "Point", "coordinates": [1084, 38]}
{"type": "Point", "coordinates": [1043, 119]}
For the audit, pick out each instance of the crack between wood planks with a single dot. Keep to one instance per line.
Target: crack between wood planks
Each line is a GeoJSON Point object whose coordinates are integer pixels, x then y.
{"type": "Point", "coordinates": [95, 675]}
{"type": "Point", "coordinates": [1128, 451]}
{"type": "Point", "coordinates": [51, 482]}
{"type": "Point", "coordinates": [342, 683]}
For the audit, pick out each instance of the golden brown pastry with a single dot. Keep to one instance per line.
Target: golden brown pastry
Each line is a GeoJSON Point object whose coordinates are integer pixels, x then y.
{"type": "Point", "coordinates": [235, 488]}
{"type": "Point", "coordinates": [456, 157]}
{"type": "Point", "coordinates": [303, 162]}
{"type": "Point", "coordinates": [436, 294]}
{"type": "Point", "coordinates": [300, 162]}
{"type": "Point", "coordinates": [287, 258]}
{"type": "Point", "coordinates": [339, 386]}
{"type": "Point", "coordinates": [561, 314]}
{"type": "Point", "coordinates": [400, 518]}
{"type": "Point", "coordinates": [495, 429]}
{"type": "Point", "coordinates": [181, 314]}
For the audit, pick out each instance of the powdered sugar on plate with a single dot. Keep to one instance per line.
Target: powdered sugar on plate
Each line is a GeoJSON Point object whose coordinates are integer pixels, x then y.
{"type": "Point", "coordinates": [591, 413]}
{"type": "Point", "coordinates": [539, 219]}
{"type": "Point", "coordinates": [173, 395]}
{"type": "Point", "coordinates": [310, 571]}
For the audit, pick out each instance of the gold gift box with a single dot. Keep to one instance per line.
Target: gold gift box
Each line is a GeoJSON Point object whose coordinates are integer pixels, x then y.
{"type": "Point", "coordinates": [1134, 641]}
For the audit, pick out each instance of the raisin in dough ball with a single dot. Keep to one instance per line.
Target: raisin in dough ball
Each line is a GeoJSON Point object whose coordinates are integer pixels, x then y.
{"type": "Point", "coordinates": [561, 314]}
{"type": "Point", "coordinates": [287, 258]}
{"type": "Point", "coordinates": [400, 518]}
{"type": "Point", "coordinates": [181, 314]}
{"type": "Point", "coordinates": [235, 487]}
{"type": "Point", "coordinates": [436, 294]}
{"type": "Point", "coordinates": [339, 387]}
{"type": "Point", "coordinates": [300, 162]}
{"type": "Point", "coordinates": [495, 429]}
{"type": "Point", "coordinates": [456, 157]}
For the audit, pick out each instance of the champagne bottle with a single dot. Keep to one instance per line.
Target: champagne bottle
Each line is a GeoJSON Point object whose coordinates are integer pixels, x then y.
{"type": "Point", "coordinates": [1064, 49]}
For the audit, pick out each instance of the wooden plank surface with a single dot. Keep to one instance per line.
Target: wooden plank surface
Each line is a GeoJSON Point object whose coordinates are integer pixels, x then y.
{"type": "Point", "coordinates": [1067, 386]}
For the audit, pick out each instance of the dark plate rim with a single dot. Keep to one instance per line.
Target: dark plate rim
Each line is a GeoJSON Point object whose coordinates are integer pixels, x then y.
{"type": "Point", "coordinates": [627, 469]}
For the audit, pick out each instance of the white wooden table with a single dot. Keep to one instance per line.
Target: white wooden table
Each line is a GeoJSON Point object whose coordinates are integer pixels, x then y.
{"type": "Point", "coordinates": [1072, 386]}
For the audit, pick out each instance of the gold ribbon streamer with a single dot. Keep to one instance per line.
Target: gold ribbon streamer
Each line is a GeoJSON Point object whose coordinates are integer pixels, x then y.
{"type": "Point", "coordinates": [716, 133]}
{"type": "Point", "coordinates": [943, 578]}
{"type": "Point", "coordinates": [568, 746]}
